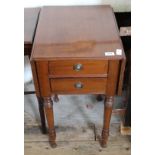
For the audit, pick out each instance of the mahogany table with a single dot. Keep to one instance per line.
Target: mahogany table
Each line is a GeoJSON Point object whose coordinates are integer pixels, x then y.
{"type": "Point", "coordinates": [77, 50]}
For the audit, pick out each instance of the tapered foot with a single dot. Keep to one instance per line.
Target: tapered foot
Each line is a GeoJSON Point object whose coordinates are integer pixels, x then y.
{"type": "Point", "coordinates": [107, 117]}
{"type": "Point", "coordinates": [52, 137]}
{"type": "Point", "coordinates": [105, 135]}
{"type": "Point", "coordinates": [42, 115]}
{"type": "Point", "coordinates": [53, 144]}
{"type": "Point", "coordinates": [48, 106]}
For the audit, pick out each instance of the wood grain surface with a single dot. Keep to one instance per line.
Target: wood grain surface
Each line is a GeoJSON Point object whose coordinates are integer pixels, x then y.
{"type": "Point", "coordinates": [66, 68]}
{"type": "Point", "coordinates": [67, 85]}
{"type": "Point", "coordinates": [76, 31]}
{"type": "Point", "coordinates": [30, 22]}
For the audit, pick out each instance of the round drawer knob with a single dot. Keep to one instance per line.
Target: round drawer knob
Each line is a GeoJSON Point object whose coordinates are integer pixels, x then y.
{"type": "Point", "coordinates": [78, 85]}
{"type": "Point", "coordinates": [78, 67]}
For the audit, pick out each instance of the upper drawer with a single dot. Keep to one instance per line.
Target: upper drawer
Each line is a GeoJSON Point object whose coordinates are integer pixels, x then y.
{"type": "Point", "coordinates": [78, 68]}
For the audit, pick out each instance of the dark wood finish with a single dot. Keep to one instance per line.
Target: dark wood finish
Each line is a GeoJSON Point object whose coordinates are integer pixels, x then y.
{"type": "Point", "coordinates": [35, 78]}
{"type": "Point", "coordinates": [121, 76]}
{"type": "Point", "coordinates": [27, 49]}
{"type": "Point", "coordinates": [42, 115]}
{"type": "Point", "coordinates": [40, 100]}
{"type": "Point", "coordinates": [44, 81]}
{"type": "Point", "coordinates": [48, 106]}
{"type": "Point", "coordinates": [63, 41]}
{"type": "Point", "coordinates": [90, 68]}
{"type": "Point", "coordinates": [89, 35]}
{"type": "Point", "coordinates": [89, 86]}
{"type": "Point", "coordinates": [110, 92]}
{"type": "Point", "coordinates": [107, 116]}
{"type": "Point", "coordinates": [112, 79]}
{"type": "Point", "coordinates": [29, 92]}
{"type": "Point", "coordinates": [30, 22]}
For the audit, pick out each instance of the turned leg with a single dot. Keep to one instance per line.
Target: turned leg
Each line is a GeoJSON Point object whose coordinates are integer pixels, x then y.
{"type": "Point", "coordinates": [107, 116]}
{"type": "Point", "coordinates": [48, 106]}
{"type": "Point", "coordinates": [42, 115]}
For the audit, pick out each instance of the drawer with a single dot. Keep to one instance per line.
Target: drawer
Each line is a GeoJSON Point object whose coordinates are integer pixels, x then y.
{"type": "Point", "coordinates": [78, 68]}
{"type": "Point", "coordinates": [78, 85]}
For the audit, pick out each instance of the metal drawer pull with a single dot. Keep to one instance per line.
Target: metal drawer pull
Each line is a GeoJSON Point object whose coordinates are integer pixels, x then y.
{"type": "Point", "coordinates": [78, 67]}
{"type": "Point", "coordinates": [78, 85]}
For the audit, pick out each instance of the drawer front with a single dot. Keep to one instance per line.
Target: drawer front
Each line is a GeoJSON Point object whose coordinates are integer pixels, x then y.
{"type": "Point", "coordinates": [78, 85]}
{"type": "Point", "coordinates": [78, 68]}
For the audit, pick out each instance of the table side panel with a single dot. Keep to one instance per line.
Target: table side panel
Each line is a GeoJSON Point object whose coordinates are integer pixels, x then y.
{"type": "Point", "coordinates": [44, 83]}
{"type": "Point", "coordinates": [35, 78]}
{"type": "Point", "coordinates": [113, 75]}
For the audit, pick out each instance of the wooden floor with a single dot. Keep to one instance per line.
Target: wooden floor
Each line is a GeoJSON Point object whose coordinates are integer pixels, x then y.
{"type": "Point", "coordinates": [73, 140]}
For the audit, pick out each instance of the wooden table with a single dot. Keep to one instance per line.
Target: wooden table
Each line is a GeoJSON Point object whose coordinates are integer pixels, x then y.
{"type": "Point", "coordinates": [77, 50]}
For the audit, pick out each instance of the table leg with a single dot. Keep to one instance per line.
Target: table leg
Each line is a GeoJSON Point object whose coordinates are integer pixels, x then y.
{"type": "Point", "coordinates": [107, 116]}
{"type": "Point", "coordinates": [48, 106]}
{"type": "Point", "coordinates": [42, 115]}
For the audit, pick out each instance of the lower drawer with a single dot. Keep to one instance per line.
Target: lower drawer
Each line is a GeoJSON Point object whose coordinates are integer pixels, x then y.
{"type": "Point", "coordinates": [78, 85]}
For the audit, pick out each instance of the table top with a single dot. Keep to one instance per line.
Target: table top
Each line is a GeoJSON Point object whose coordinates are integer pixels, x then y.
{"type": "Point", "coordinates": [30, 22]}
{"type": "Point", "coordinates": [77, 32]}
